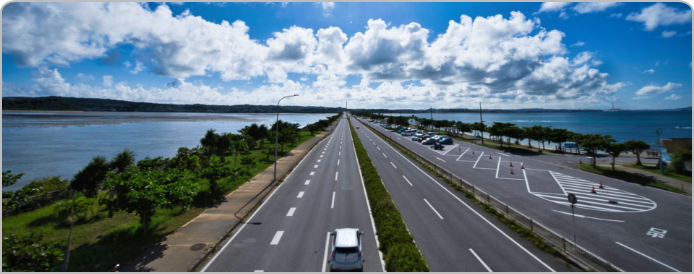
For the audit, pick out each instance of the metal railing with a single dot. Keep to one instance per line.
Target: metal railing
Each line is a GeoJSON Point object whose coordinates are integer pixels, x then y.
{"type": "Point", "coordinates": [555, 240]}
{"type": "Point", "coordinates": [37, 201]}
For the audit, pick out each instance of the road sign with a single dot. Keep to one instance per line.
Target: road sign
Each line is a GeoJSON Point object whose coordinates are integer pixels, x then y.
{"type": "Point", "coordinates": [572, 198]}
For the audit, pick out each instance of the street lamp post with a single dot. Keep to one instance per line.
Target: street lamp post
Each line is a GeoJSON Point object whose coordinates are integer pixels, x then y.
{"type": "Point", "coordinates": [660, 152]}
{"type": "Point", "coordinates": [277, 133]}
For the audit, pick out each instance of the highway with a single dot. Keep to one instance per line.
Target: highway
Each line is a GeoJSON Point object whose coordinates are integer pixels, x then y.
{"type": "Point", "coordinates": [289, 231]}
{"type": "Point", "coordinates": [451, 231]}
{"type": "Point", "coordinates": [634, 227]}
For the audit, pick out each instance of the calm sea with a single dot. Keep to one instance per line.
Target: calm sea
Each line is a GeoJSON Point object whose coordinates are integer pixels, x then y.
{"type": "Point", "coordinates": [623, 126]}
{"type": "Point", "coordinates": [32, 144]}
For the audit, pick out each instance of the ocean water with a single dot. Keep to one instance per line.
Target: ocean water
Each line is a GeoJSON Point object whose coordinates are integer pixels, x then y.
{"type": "Point", "coordinates": [32, 144]}
{"type": "Point", "coordinates": [622, 125]}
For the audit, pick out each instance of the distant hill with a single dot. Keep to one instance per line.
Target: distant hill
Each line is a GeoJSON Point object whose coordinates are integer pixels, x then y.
{"type": "Point", "coordinates": [92, 104]}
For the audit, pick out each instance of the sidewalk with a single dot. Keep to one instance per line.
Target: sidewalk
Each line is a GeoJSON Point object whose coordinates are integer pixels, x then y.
{"type": "Point", "coordinates": [184, 249]}
{"type": "Point", "coordinates": [687, 187]}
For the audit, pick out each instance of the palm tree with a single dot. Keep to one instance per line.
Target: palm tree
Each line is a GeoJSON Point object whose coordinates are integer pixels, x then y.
{"type": "Point", "coordinates": [122, 161]}
{"type": "Point", "coordinates": [70, 211]}
{"type": "Point", "coordinates": [223, 144]}
{"type": "Point", "coordinates": [262, 134]}
{"type": "Point", "coordinates": [209, 142]}
{"type": "Point", "coordinates": [90, 177]}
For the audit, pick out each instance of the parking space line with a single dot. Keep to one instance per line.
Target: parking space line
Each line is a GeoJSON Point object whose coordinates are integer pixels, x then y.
{"type": "Point", "coordinates": [432, 208]}
{"type": "Point", "coordinates": [276, 239]}
{"type": "Point", "coordinates": [461, 155]}
{"type": "Point", "coordinates": [504, 154]}
{"type": "Point", "coordinates": [670, 267]}
{"type": "Point", "coordinates": [497, 167]}
{"type": "Point", "coordinates": [478, 159]}
{"type": "Point", "coordinates": [440, 159]}
{"type": "Point", "coordinates": [479, 259]}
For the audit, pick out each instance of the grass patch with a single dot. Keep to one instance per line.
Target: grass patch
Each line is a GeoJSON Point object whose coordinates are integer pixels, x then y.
{"type": "Point", "coordinates": [629, 177]}
{"type": "Point", "coordinates": [104, 241]}
{"type": "Point", "coordinates": [668, 173]}
{"type": "Point", "coordinates": [396, 243]}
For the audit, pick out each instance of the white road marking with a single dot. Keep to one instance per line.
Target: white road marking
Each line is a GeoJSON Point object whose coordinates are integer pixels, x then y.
{"type": "Point", "coordinates": [332, 205]}
{"type": "Point", "coordinates": [478, 159]}
{"type": "Point", "coordinates": [258, 271]}
{"type": "Point", "coordinates": [321, 156]}
{"type": "Point", "coordinates": [378, 148]}
{"type": "Point", "coordinates": [323, 152]}
{"type": "Point", "coordinates": [384, 155]}
{"type": "Point", "coordinates": [307, 181]}
{"type": "Point", "coordinates": [504, 154]}
{"type": "Point", "coordinates": [325, 255]}
{"type": "Point", "coordinates": [276, 239]}
{"type": "Point", "coordinates": [338, 162]}
{"type": "Point", "coordinates": [479, 259]}
{"type": "Point", "coordinates": [339, 153]}
{"type": "Point", "coordinates": [670, 267]}
{"type": "Point", "coordinates": [587, 217]}
{"type": "Point", "coordinates": [393, 165]}
{"type": "Point", "coordinates": [316, 166]}
{"type": "Point", "coordinates": [408, 181]}
{"type": "Point", "coordinates": [440, 159]}
{"type": "Point", "coordinates": [319, 160]}
{"type": "Point", "coordinates": [497, 167]}
{"type": "Point", "coordinates": [291, 212]}
{"type": "Point", "coordinates": [432, 208]}
{"type": "Point", "coordinates": [301, 194]}
{"type": "Point", "coordinates": [336, 175]}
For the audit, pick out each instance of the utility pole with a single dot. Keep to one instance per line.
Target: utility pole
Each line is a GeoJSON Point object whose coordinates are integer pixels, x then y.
{"type": "Point", "coordinates": [657, 143]}
{"type": "Point", "coordinates": [431, 110]}
{"type": "Point", "coordinates": [481, 124]}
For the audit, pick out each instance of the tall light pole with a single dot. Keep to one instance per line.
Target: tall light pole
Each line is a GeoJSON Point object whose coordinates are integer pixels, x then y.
{"type": "Point", "coordinates": [277, 133]}
{"type": "Point", "coordinates": [660, 152]}
{"type": "Point", "coordinates": [481, 124]}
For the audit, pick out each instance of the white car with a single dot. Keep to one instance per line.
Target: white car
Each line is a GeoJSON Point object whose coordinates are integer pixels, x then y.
{"type": "Point", "coordinates": [346, 250]}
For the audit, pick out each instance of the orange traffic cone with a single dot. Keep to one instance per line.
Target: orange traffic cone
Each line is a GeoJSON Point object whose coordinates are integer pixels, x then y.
{"type": "Point", "coordinates": [593, 191]}
{"type": "Point", "coordinates": [579, 161]}
{"type": "Point", "coordinates": [522, 166]}
{"type": "Point", "coordinates": [458, 148]}
{"type": "Point", "coordinates": [473, 152]}
{"type": "Point", "coordinates": [490, 156]}
{"type": "Point", "coordinates": [601, 184]}
{"type": "Point", "coordinates": [510, 164]}
{"type": "Point", "coordinates": [512, 171]}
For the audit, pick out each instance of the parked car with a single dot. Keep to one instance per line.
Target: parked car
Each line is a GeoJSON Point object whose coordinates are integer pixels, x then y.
{"type": "Point", "coordinates": [428, 141]}
{"type": "Point", "coordinates": [437, 145]}
{"type": "Point", "coordinates": [357, 127]}
{"type": "Point", "coordinates": [346, 250]}
{"type": "Point", "coordinates": [406, 133]}
{"type": "Point", "coordinates": [415, 138]}
{"type": "Point", "coordinates": [446, 141]}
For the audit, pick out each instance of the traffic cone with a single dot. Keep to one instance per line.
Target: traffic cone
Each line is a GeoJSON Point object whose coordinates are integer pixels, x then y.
{"type": "Point", "coordinates": [512, 171]}
{"type": "Point", "coordinates": [458, 148]}
{"type": "Point", "coordinates": [522, 166]}
{"type": "Point", "coordinates": [593, 191]}
{"type": "Point", "coordinates": [473, 152]}
{"type": "Point", "coordinates": [601, 184]}
{"type": "Point", "coordinates": [579, 161]}
{"type": "Point", "coordinates": [490, 156]}
{"type": "Point", "coordinates": [510, 164]}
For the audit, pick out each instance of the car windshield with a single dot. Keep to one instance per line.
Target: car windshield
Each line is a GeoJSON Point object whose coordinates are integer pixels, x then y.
{"type": "Point", "coordinates": [345, 250]}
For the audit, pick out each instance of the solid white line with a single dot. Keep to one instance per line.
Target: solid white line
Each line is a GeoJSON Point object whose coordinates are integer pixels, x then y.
{"type": "Point", "coordinates": [555, 179]}
{"type": "Point", "coordinates": [470, 208]}
{"type": "Point", "coordinates": [338, 162]}
{"type": "Point", "coordinates": [515, 179]}
{"type": "Point", "coordinates": [527, 185]}
{"type": "Point", "coordinates": [432, 208]}
{"type": "Point", "coordinates": [276, 239]}
{"type": "Point", "coordinates": [440, 159]}
{"type": "Point", "coordinates": [312, 172]}
{"type": "Point", "coordinates": [332, 205]}
{"type": "Point", "coordinates": [291, 212]}
{"type": "Point", "coordinates": [259, 271]}
{"type": "Point", "coordinates": [497, 167]}
{"type": "Point", "coordinates": [307, 181]}
{"type": "Point", "coordinates": [384, 155]}
{"type": "Point", "coordinates": [581, 216]}
{"type": "Point", "coordinates": [486, 168]}
{"type": "Point", "coordinates": [258, 210]}
{"type": "Point", "coordinates": [670, 267]}
{"type": "Point", "coordinates": [325, 255]}
{"type": "Point", "coordinates": [408, 181]}
{"type": "Point", "coordinates": [301, 194]}
{"type": "Point", "coordinates": [393, 165]}
{"type": "Point", "coordinates": [336, 172]}
{"type": "Point", "coordinates": [461, 155]}
{"type": "Point", "coordinates": [479, 259]}
{"type": "Point", "coordinates": [504, 154]}
{"type": "Point", "coordinates": [478, 159]}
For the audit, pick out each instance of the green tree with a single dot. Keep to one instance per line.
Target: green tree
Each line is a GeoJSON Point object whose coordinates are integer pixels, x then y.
{"type": "Point", "coordinates": [480, 127]}
{"type": "Point", "coordinates": [122, 161]}
{"type": "Point", "coordinates": [89, 179]}
{"type": "Point", "coordinates": [530, 133]}
{"type": "Point", "coordinates": [213, 172]}
{"type": "Point", "coordinates": [48, 184]}
{"type": "Point", "coordinates": [209, 142]}
{"type": "Point", "coordinates": [559, 136]}
{"type": "Point", "coordinates": [542, 134]}
{"type": "Point", "coordinates": [9, 179]}
{"type": "Point", "coordinates": [679, 157]}
{"type": "Point", "coordinates": [223, 144]}
{"type": "Point", "coordinates": [144, 191]}
{"type": "Point", "coordinates": [30, 253]}
{"type": "Point", "coordinates": [247, 162]}
{"type": "Point", "coordinates": [637, 147]}
{"type": "Point", "coordinates": [239, 146]}
{"type": "Point", "coordinates": [262, 134]}
{"type": "Point", "coordinates": [70, 211]}
{"type": "Point", "coordinates": [614, 149]}
{"type": "Point", "coordinates": [594, 142]}
{"type": "Point", "coordinates": [463, 127]}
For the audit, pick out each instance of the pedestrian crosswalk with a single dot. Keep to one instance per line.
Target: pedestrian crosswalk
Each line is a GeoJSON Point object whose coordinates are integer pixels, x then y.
{"type": "Point", "coordinates": [605, 199]}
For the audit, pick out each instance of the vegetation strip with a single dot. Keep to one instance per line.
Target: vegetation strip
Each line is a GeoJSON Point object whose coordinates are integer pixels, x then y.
{"type": "Point", "coordinates": [522, 231]}
{"type": "Point", "coordinates": [400, 252]}
{"type": "Point", "coordinates": [629, 178]}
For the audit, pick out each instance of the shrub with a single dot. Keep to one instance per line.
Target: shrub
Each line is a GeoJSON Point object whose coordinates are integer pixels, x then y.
{"type": "Point", "coordinates": [48, 184]}
{"type": "Point", "coordinates": [678, 159]}
{"type": "Point", "coordinates": [27, 253]}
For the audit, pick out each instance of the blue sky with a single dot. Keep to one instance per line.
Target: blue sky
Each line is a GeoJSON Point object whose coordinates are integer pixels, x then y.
{"type": "Point", "coordinates": [380, 55]}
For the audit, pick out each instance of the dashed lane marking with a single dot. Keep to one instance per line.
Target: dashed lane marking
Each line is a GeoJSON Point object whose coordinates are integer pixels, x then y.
{"type": "Point", "coordinates": [301, 194]}
{"type": "Point", "coordinates": [276, 239]}
{"type": "Point", "coordinates": [408, 181]}
{"type": "Point", "coordinates": [432, 208]}
{"type": "Point", "coordinates": [393, 165]}
{"type": "Point", "coordinates": [307, 182]}
{"type": "Point", "coordinates": [291, 212]}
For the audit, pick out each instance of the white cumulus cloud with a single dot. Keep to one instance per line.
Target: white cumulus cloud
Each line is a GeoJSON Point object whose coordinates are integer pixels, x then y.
{"type": "Point", "coordinates": [673, 97]}
{"type": "Point", "coordinates": [660, 14]}
{"type": "Point", "coordinates": [589, 7]}
{"type": "Point", "coordinates": [553, 6]}
{"type": "Point", "coordinates": [655, 89]}
{"type": "Point", "coordinates": [668, 34]}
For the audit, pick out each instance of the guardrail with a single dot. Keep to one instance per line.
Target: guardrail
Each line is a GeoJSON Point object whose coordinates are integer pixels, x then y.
{"type": "Point", "coordinates": [569, 249]}
{"type": "Point", "coordinates": [37, 202]}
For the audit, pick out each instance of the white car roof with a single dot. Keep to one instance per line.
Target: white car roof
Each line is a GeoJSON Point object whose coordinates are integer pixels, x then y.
{"type": "Point", "coordinates": [346, 237]}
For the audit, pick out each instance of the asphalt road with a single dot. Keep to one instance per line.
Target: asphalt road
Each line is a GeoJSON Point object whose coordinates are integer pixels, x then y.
{"type": "Point", "coordinates": [289, 232]}
{"type": "Point", "coordinates": [647, 229]}
{"type": "Point", "coordinates": [452, 232]}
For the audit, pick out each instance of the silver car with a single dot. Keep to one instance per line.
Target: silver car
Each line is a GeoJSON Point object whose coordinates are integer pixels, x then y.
{"type": "Point", "coordinates": [346, 250]}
